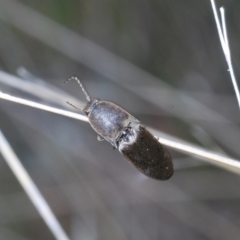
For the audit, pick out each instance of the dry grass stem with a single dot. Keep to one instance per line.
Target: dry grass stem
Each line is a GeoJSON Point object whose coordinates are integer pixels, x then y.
{"type": "Point", "coordinates": [211, 157]}
{"type": "Point", "coordinates": [88, 53]}
{"type": "Point", "coordinates": [31, 189]}
{"type": "Point", "coordinates": [43, 107]}
{"type": "Point", "coordinates": [222, 32]}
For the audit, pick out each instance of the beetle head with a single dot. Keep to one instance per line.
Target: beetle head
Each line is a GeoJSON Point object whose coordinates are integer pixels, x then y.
{"type": "Point", "coordinates": [90, 106]}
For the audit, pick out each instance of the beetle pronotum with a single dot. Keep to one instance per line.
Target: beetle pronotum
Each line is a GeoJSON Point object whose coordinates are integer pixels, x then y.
{"type": "Point", "coordinates": [125, 133]}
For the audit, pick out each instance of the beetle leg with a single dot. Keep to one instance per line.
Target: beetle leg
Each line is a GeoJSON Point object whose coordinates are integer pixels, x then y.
{"type": "Point", "coordinates": [100, 138]}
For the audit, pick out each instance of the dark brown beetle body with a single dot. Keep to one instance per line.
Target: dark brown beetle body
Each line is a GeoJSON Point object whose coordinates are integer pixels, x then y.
{"type": "Point", "coordinates": [125, 133]}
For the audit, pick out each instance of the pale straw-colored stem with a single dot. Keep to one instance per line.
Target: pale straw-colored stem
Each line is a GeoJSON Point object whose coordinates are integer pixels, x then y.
{"type": "Point", "coordinates": [43, 107]}
{"type": "Point", "coordinates": [31, 189]}
{"type": "Point", "coordinates": [222, 32]}
{"type": "Point", "coordinates": [214, 158]}
{"type": "Point", "coordinates": [211, 157]}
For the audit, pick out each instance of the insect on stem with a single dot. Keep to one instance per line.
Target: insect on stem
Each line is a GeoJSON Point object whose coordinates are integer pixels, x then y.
{"type": "Point", "coordinates": [81, 85]}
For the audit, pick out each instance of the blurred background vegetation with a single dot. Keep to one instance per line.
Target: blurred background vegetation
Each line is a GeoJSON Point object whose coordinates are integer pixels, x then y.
{"type": "Point", "coordinates": [160, 60]}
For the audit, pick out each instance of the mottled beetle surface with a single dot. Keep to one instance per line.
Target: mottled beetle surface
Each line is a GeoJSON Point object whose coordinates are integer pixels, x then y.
{"type": "Point", "coordinates": [125, 133]}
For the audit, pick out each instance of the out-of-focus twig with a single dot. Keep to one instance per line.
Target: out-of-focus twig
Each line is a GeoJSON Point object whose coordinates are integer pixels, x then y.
{"type": "Point", "coordinates": [39, 89]}
{"type": "Point", "coordinates": [222, 32]}
{"type": "Point", "coordinates": [182, 146]}
{"type": "Point", "coordinates": [104, 62]}
{"type": "Point", "coordinates": [118, 70]}
{"type": "Point", "coordinates": [31, 189]}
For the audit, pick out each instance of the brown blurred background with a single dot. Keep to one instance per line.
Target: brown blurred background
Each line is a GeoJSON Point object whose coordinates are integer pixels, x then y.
{"type": "Point", "coordinates": [160, 60]}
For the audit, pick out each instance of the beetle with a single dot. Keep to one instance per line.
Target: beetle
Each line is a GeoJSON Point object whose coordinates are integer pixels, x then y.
{"type": "Point", "coordinates": [125, 133]}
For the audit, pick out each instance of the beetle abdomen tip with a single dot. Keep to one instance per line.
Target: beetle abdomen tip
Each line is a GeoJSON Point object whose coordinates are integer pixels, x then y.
{"type": "Point", "coordinates": [148, 155]}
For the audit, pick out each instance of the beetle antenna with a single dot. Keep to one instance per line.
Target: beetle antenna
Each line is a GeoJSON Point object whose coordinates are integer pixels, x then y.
{"type": "Point", "coordinates": [81, 85]}
{"type": "Point", "coordinates": [73, 106]}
